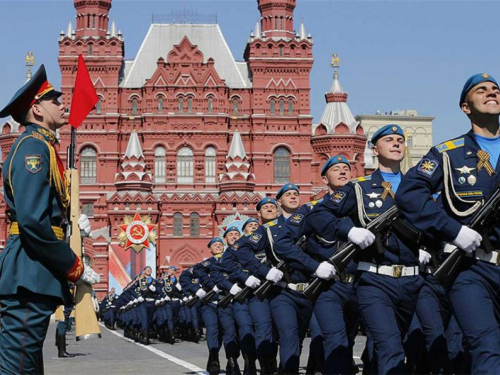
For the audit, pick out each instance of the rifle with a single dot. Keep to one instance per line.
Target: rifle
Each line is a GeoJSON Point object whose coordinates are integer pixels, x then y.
{"type": "Point", "coordinates": [349, 250]}
{"type": "Point", "coordinates": [85, 318]}
{"type": "Point", "coordinates": [226, 301]}
{"type": "Point", "coordinates": [205, 299]}
{"type": "Point", "coordinates": [482, 222]}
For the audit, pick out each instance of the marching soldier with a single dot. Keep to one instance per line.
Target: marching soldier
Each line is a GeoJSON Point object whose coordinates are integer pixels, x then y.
{"type": "Point", "coordinates": [37, 262]}
{"type": "Point", "coordinates": [465, 169]}
{"type": "Point", "coordinates": [110, 309]}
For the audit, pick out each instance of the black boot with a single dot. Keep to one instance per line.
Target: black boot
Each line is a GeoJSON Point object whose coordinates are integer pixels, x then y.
{"type": "Point", "coordinates": [194, 335]}
{"type": "Point", "coordinates": [170, 337]}
{"type": "Point", "coordinates": [144, 337]}
{"type": "Point", "coordinates": [61, 347]}
{"type": "Point", "coordinates": [232, 367]}
{"type": "Point", "coordinates": [249, 368]}
{"type": "Point", "coordinates": [213, 364]}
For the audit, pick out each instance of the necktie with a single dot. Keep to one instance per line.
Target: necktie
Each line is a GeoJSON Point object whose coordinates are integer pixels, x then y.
{"type": "Point", "coordinates": [484, 162]}
{"type": "Point", "coordinates": [387, 190]}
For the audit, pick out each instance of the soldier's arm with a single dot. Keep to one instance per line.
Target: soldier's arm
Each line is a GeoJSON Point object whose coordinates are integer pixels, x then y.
{"type": "Point", "coordinates": [217, 275]}
{"type": "Point", "coordinates": [247, 248]}
{"type": "Point", "coordinates": [32, 194]}
{"type": "Point", "coordinates": [231, 266]}
{"type": "Point", "coordinates": [201, 271]}
{"type": "Point", "coordinates": [341, 204]}
{"type": "Point", "coordinates": [325, 224]}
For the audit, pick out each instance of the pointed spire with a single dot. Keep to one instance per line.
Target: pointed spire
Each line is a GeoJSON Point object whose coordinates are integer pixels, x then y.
{"type": "Point", "coordinates": [134, 148]}
{"type": "Point", "coordinates": [257, 30]}
{"type": "Point", "coordinates": [113, 29]}
{"type": "Point", "coordinates": [302, 31]}
{"type": "Point", "coordinates": [133, 174]}
{"type": "Point", "coordinates": [237, 176]}
{"type": "Point", "coordinates": [237, 149]}
{"type": "Point", "coordinates": [69, 31]}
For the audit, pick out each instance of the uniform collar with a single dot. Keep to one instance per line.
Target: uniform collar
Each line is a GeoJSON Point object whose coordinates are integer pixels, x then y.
{"type": "Point", "coordinates": [471, 147]}
{"type": "Point", "coordinates": [377, 179]}
{"type": "Point", "coordinates": [42, 133]}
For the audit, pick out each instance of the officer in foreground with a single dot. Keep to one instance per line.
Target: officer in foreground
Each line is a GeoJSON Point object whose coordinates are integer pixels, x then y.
{"type": "Point", "coordinates": [37, 262]}
{"type": "Point", "coordinates": [466, 170]}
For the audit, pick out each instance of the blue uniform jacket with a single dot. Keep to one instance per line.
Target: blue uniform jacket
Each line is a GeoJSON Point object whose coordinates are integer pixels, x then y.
{"type": "Point", "coordinates": [415, 192]}
{"type": "Point", "coordinates": [232, 267]}
{"type": "Point", "coordinates": [204, 271]}
{"type": "Point", "coordinates": [343, 204]}
{"type": "Point", "coordinates": [141, 287]}
{"type": "Point", "coordinates": [189, 282]}
{"type": "Point", "coordinates": [35, 259]}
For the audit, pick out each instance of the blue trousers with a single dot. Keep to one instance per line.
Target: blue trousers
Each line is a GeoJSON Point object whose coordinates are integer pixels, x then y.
{"type": "Point", "coordinates": [229, 334]}
{"type": "Point", "coordinates": [291, 312]}
{"type": "Point", "coordinates": [387, 306]}
{"type": "Point", "coordinates": [25, 320]}
{"type": "Point", "coordinates": [475, 296]}
{"type": "Point", "coordinates": [220, 324]}
{"type": "Point", "coordinates": [260, 312]}
{"type": "Point", "coordinates": [246, 332]}
{"type": "Point", "coordinates": [338, 316]}
{"type": "Point", "coordinates": [172, 309]}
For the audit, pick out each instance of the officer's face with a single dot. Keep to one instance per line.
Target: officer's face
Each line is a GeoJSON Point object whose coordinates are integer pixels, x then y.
{"type": "Point", "coordinates": [482, 99]}
{"type": "Point", "coordinates": [289, 200]}
{"type": "Point", "coordinates": [216, 248]}
{"type": "Point", "coordinates": [251, 227]}
{"type": "Point", "coordinates": [52, 112]}
{"type": "Point", "coordinates": [337, 176]}
{"type": "Point", "coordinates": [268, 211]}
{"type": "Point", "coordinates": [232, 237]}
{"type": "Point", "coordinates": [390, 148]}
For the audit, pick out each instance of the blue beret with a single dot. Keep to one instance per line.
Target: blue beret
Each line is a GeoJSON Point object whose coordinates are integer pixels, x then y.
{"type": "Point", "coordinates": [250, 220]}
{"type": "Point", "coordinates": [387, 130]}
{"type": "Point", "coordinates": [231, 229]}
{"type": "Point", "coordinates": [174, 268]}
{"type": "Point", "coordinates": [474, 80]}
{"type": "Point", "coordinates": [264, 201]}
{"type": "Point", "coordinates": [337, 159]}
{"type": "Point", "coordinates": [214, 240]}
{"type": "Point", "coordinates": [147, 267]}
{"type": "Point", "coordinates": [286, 188]}
{"type": "Point", "coordinates": [35, 89]}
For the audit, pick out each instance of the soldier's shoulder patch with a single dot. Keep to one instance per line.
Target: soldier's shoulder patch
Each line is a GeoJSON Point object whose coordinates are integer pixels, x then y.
{"type": "Point", "coordinates": [296, 218]}
{"type": "Point", "coordinates": [205, 263]}
{"type": "Point", "coordinates": [450, 145]}
{"type": "Point", "coordinates": [427, 167]}
{"type": "Point", "coordinates": [271, 223]}
{"type": "Point", "coordinates": [33, 163]}
{"type": "Point", "coordinates": [338, 196]}
{"type": "Point", "coordinates": [361, 179]}
{"type": "Point", "coordinates": [235, 246]}
{"type": "Point", "coordinates": [255, 237]}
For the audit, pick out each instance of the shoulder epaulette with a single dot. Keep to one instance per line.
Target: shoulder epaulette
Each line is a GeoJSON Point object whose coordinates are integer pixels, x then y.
{"type": "Point", "coordinates": [450, 145]}
{"type": "Point", "coordinates": [361, 179]}
{"type": "Point", "coordinates": [271, 223]}
{"type": "Point", "coordinates": [314, 203]}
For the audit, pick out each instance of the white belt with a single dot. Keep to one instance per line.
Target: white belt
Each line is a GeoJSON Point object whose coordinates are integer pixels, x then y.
{"type": "Point", "coordinates": [150, 299]}
{"type": "Point", "coordinates": [393, 271]}
{"type": "Point", "coordinates": [492, 257]}
{"type": "Point", "coordinates": [298, 287]}
{"type": "Point", "coordinates": [174, 299]}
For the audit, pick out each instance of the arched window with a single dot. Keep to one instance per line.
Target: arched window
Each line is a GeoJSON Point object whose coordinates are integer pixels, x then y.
{"type": "Point", "coordinates": [290, 107]}
{"type": "Point", "coordinates": [91, 50]}
{"type": "Point", "coordinates": [281, 165]}
{"type": "Point", "coordinates": [181, 104]}
{"type": "Point", "coordinates": [160, 104]}
{"type": "Point", "coordinates": [409, 141]}
{"type": "Point", "coordinates": [210, 104]}
{"type": "Point", "coordinates": [190, 104]}
{"type": "Point", "coordinates": [134, 106]}
{"type": "Point", "coordinates": [282, 23]}
{"type": "Point", "coordinates": [281, 51]}
{"type": "Point", "coordinates": [235, 106]}
{"type": "Point", "coordinates": [160, 165]}
{"type": "Point", "coordinates": [178, 224]}
{"type": "Point", "coordinates": [185, 165]}
{"type": "Point", "coordinates": [276, 23]}
{"type": "Point", "coordinates": [93, 21]}
{"type": "Point", "coordinates": [98, 106]}
{"type": "Point", "coordinates": [210, 168]}
{"type": "Point", "coordinates": [273, 106]}
{"type": "Point", "coordinates": [194, 225]}
{"type": "Point", "coordinates": [282, 107]}
{"type": "Point", "coordinates": [88, 166]}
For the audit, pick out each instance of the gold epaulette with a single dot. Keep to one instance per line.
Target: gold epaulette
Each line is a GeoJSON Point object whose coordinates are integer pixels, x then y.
{"type": "Point", "coordinates": [450, 145]}
{"type": "Point", "coordinates": [361, 179]}
{"type": "Point", "coordinates": [314, 203]}
{"type": "Point", "coordinates": [271, 223]}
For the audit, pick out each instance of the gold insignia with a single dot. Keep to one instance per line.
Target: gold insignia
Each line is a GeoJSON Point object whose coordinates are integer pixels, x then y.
{"type": "Point", "coordinates": [394, 129]}
{"type": "Point", "coordinates": [427, 166]}
{"type": "Point", "coordinates": [485, 76]}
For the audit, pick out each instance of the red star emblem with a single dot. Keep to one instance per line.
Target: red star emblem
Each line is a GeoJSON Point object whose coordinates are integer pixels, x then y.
{"type": "Point", "coordinates": [137, 232]}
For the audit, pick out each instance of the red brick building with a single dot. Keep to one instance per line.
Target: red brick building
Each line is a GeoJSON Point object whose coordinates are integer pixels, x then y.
{"type": "Point", "coordinates": [190, 136]}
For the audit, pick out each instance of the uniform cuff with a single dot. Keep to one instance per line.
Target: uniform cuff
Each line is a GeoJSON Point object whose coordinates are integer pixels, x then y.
{"type": "Point", "coordinates": [450, 231]}
{"type": "Point", "coordinates": [76, 271]}
{"type": "Point", "coordinates": [345, 227]}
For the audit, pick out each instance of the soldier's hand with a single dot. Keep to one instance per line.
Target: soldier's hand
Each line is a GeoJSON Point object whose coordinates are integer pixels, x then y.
{"type": "Point", "coordinates": [157, 302]}
{"type": "Point", "coordinates": [252, 282]}
{"type": "Point", "coordinates": [201, 293]}
{"type": "Point", "coordinates": [274, 275]}
{"type": "Point", "coordinates": [89, 276]}
{"type": "Point", "coordinates": [468, 239]}
{"type": "Point", "coordinates": [140, 299]}
{"type": "Point", "coordinates": [361, 237]}
{"type": "Point", "coordinates": [424, 257]}
{"type": "Point", "coordinates": [325, 271]}
{"type": "Point", "coordinates": [152, 288]}
{"type": "Point", "coordinates": [185, 299]}
{"type": "Point", "coordinates": [167, 298]}
{"type": "Point", "coordinates": [235, 289]}
{"type": "Point", "coordinates": [84, 225]}
{"type": "Point", "coordinates": [215, 289]}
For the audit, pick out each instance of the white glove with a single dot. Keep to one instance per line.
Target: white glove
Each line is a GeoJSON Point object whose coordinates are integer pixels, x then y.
{"type": "Point", "coordinates": [157, 302]}
{"type": "Point", "coordinates": [185, 299]}
{"type": "Point", "coordinates": [190, 297]}
{"type": "Point", "coordinates": [89, 276]}
{"type": "Point", "coordinates": [152, 288]}
{"type": "Point", "coordinates": [235, 289]}
{"type": "Point", "coordinates": [468, 239]}
{"type": "Point", "coordinates": [178, 286]}
{"type": "Point", "coordinates": [252, 282]}
{"type": "Point", "coordinates": [135, 300]}
{"type": "Point", "coordinates": [361, 237]}
{"type": "Point", "coordinates": [274, 275]}
{"type": "Point", "coordinates": [84, 225]}
{"type": "Point", "coordinates": [140, 299]}
{"type": "Point", "coordinates": [215, 289]}
{"type": "Point", "coordinates": [325, 271]}
{"type": "Point", "coordinates": [201, 293]}
{"type": "Point", "coordinates": [424, 257]}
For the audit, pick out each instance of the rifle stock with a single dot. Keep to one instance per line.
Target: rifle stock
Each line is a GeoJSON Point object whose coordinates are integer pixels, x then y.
{"type": "Point", "coordinates": [192, 302]}
{"type": "Point", "coordinates": [207, 297]}
{"type": "Point", "coordinates": [226, 301]}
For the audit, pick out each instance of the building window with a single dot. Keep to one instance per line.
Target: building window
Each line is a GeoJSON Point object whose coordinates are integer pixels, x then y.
{"type": "Point", "coordinates": [210, 105]}
{"type": "Point", "coordinates": [160, 165]}
{"type": "Point", "coordinates": [88, 168]}
{"type": "Point", "coordinates": [273, 106]}
{"type": "Point", "coordinates": [409, 141]}
{"type": "Point", "coordinates": [276, 23]}
{"type": "Point", "coordinates": [91, 49]}
{"type": "Point", "coordinates": [181, 105]}
{"type": "Point", "coordinates": [178, 224]}
{"type": "Point", "coordinates": [281, 166]}
{"type": "Point", "coordinates": [160, 104]}
{"type": "Point", "coordinates": [98, 107]}
{"type": "Point", "coordinates": [281, 51]}
{"type": "Point", "coordinates": [134, 106]}
{"type": "Point", "coordinates": [88, 209]}
{"type": "Point", "coordinates": [190, 105]}
{"type": "Point", "coordinates": [194, 225]}
{"type": "Point", "coordinates": [210, 160]}
{"type": "Point", "coordinates": [282, 23]}
{"type": "Point", "coordinates": [290, 107]}
{"type": "Point", "coordinates": [185, 165]}
{"type": "Point", "coordinates": [235, 106]}
{"type": "Point", "coordinates": [282, 107]}
{"type": "Point", "coordinates": [93, 21]}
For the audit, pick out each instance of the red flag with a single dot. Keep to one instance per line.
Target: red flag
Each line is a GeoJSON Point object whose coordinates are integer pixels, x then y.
{"type": "Point", "coordinates": [84, 96]}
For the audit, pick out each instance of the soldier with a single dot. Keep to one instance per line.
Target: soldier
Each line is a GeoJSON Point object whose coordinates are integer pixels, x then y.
{"type": "Point", "coordinates": [37, 262]}
{"type": "Point", "coordinates": [171, 291]}
{"type": "Point", "coordinates": [465, 169]}
{"type": "Point", "coordinates": [110, 309]}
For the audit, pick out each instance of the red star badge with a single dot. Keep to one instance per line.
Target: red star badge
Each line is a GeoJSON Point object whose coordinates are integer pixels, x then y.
{"type": "Point", "coordinates": [137, 232]}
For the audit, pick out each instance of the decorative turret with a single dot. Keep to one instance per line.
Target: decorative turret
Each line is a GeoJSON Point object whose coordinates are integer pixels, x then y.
{"type": "Point", "coordinates": [133, 175]}
{"type": "Point", "coordinates": [92, 17]}
{"type": "Point", "coordinates": [277, 18]}
{"type": "Point", "coordinates": [237, 176]}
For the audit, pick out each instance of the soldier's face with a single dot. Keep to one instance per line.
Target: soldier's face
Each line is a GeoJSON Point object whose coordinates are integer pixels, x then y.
{"type": "Point", "coordinates": [216, 248]}
{"type": "Point", "coordinates": [289, 200]}
{"type": "Point", "coordinates": [148, 271]}
{"type": "Point", "coordinates": [390, 148]}
{"type": "Point", "coordinates": [268, 211]}
{"type": "Point", "coordinates": [232, 237]}
{"type": "Point", "coordinates": [482, 99]}
{"type": "Point", "coordinates": [337, 176]}
{"type": "Point", "coordinates": [251, 227]}
{"type": "Point", "coordinates": [112, 290]}
{"type": "Point", "coordinates": [52, 112]}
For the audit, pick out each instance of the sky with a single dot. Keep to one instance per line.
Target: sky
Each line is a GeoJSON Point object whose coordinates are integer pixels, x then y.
{"type": "Point", "coordinates": [395, 55]}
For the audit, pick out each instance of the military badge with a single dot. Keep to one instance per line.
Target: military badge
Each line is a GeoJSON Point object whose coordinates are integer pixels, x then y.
{"type": "Point", "coordinates": [296, 218]}
{"type": "Point", "coordinates": [427, 167]}
{"type": "Point", "coordinates": [338, 196]}
{"type": "Point", "coordinates": [255, 237]}
{"type": "Point", "coordinates": [485, 75]}
{"type": "Point", "coordinates": [206, 263]}
{"type": "Point", "coordinates": [33, 163]}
